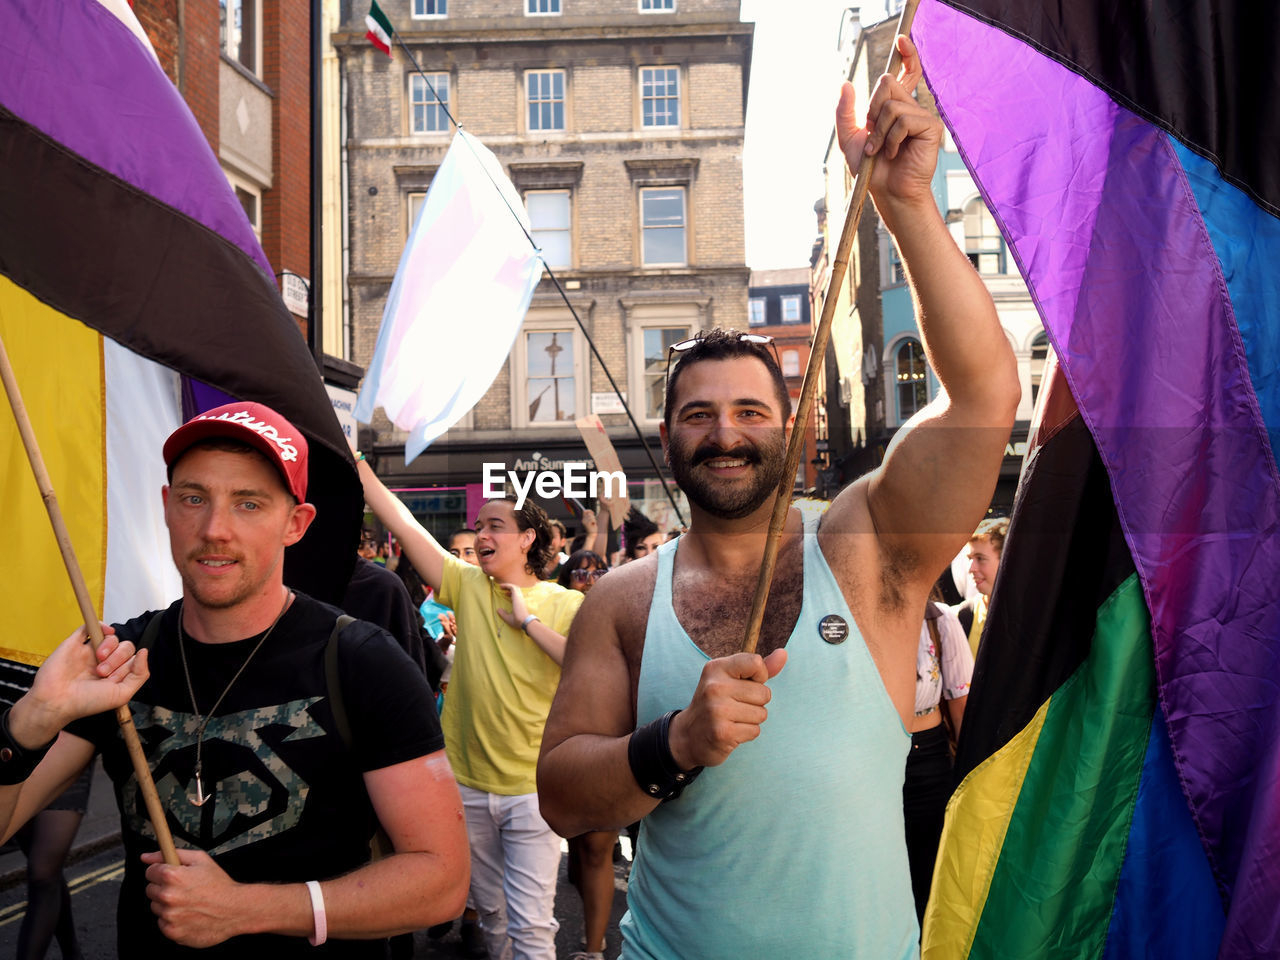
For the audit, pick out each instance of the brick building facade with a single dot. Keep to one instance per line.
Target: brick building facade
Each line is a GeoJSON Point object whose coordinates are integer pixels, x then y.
{"type": "Point", "coordinates": [778, 306]}
{"type": "Point", "coordinates": [243, 67]}
{"type": "Point", "coordinates": [621, 124]}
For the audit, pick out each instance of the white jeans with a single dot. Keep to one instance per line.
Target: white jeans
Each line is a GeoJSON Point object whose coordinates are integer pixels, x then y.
{"type": "Point", "coordinates": [515, 857]}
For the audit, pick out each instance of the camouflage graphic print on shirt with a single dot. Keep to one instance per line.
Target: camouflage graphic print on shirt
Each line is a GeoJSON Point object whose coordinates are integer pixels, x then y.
{"type": "Point", "coordinates": [242, 810]}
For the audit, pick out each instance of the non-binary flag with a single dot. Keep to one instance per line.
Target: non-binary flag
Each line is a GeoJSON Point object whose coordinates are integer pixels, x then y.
{"type": "Point", "coordinates": [1121, 748]}
{"type": "Point", "coordinates": [461, 290]}
{"type": "Point", "coordinates": [125, 261]}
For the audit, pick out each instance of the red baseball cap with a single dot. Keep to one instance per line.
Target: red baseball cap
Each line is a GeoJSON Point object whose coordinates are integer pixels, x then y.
{"type": "Point", "coordinates": [255, 424]}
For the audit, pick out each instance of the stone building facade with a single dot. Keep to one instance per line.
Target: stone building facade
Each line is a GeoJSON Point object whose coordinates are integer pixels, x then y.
{"type": "Point", "coordinates": [620, 122]}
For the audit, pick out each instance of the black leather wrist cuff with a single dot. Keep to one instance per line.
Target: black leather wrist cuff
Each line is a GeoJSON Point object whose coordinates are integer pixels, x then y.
{"type": "Point", "coordinates": [17, 762]}
{"type": "Point", "coordinates": [655, 770]}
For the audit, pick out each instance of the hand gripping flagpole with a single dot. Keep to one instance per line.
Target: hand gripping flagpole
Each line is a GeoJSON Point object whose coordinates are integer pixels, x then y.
{"type": "Point", "coordinates": [795, 446]}
{"type": "Point", "coordinates": [123, 716]}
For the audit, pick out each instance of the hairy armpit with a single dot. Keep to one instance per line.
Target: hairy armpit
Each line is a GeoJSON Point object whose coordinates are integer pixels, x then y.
{"type": "Point", "coordinates": [897, 567]}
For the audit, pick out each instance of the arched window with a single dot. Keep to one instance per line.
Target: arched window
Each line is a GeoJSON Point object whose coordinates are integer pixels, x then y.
{"type": "Point", "coordinates": [911, 374]}
{"type": "Point", "coordinates": [982, 241]}
{"type": "Point", "coordinates": [1039, 353]}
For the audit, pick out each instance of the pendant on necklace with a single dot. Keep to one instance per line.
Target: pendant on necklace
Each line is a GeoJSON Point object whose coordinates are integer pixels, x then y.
{"type": "Point", "coordinates": [199, 800]}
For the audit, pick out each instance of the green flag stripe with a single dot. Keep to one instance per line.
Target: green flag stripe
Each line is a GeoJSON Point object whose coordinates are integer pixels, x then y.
{"type": "Point", "coordinates": [1054, 887]}
{"type": "Point", "coordinates": [376, 12]}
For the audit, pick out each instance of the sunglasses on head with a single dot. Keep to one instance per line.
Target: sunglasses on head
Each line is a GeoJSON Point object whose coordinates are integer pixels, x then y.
{"type": "Point", "coordinates": [582, 574]}
{"type": "Point", "coordinates": [759, 339]}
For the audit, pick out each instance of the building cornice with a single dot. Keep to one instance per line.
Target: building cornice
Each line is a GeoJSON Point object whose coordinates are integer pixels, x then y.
{"type": "Point", "coordinates": [510, 31]}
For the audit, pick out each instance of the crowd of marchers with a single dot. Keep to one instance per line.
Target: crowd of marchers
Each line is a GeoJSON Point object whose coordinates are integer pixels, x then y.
{"type": "Point", "coordinates": [335, 780]}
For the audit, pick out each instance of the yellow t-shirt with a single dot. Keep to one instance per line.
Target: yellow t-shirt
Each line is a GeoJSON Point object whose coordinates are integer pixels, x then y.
{"type": "Point", "coordinates": [979, 618]}
{"type": "Point", "coordinates": [502, 683]}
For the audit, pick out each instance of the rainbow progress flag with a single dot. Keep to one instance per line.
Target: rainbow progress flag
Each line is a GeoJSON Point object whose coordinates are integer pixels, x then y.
{"type": "Point", "coordinates": [1121, 750]}
{"type": "Point", "coordinates": [126, 266]}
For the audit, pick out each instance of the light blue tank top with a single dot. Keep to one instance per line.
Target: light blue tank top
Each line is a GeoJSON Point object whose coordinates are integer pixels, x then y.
{"type": "Point", "coordinates": [794, 846]}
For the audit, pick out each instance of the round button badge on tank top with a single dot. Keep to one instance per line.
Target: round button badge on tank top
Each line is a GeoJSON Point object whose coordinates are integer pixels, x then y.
{"type": "Point", "coordinates": [833, 628]}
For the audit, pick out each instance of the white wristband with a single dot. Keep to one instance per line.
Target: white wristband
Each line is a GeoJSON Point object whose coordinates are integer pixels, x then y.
{"type": "Point", "coordinates": [524, 624]}
{"type": "Point", "coordinates": [317, 912]}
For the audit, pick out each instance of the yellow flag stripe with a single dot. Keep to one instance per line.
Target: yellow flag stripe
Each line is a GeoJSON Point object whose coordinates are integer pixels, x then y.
{"type": "Point", "coordinates": [978, 816]}
{"type": "Point", "coordinates": [58, 364]}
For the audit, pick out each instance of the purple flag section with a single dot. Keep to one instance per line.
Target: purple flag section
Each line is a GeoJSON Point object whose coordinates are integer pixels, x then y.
{"type": "Point", "coordinates": [63, 67]}
{"type": "Point", "coordinates": [1107, 233]}
{"type": "Point", "coordinates": [115, 212]}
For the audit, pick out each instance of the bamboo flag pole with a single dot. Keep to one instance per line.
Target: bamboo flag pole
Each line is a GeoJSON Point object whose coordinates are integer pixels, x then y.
{"type": "Point", "coordinates": [795, 446]}
{"type": "Point", "coordinates": [145, 783]}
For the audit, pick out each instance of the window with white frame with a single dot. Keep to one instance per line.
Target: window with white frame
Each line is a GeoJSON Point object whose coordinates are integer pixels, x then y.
{"type": "Point", "coordinates": [791, 309]}
{"type": "Point", "coordinates": [544, 93]}
{"type": "Point", "coordinates": [662, 220]}
{"type": "Point", "coordinates": [240, 28]}
{"type": "Point", "coordinates": [755, 312]}
{"type": "Point", "coordinates": [982, 241]}
{"type": "Point", "coordinates": [550, 387]}
{"type": "Point", "coordinates": [656, 342]}
{"type": "Point", "coordinates": [549, 219]}
{"type": "Point", "coordinates": [251, 201]}
{"type": "Point", "coordinates": [537, 8]}
{"type": "Point", "coordinates": [791, 363]}
{"type": "Point", "coordinates": [896, 274]}
{"type": "Point", "coordinates": [657, 6]}
{"type": "Point", "coordinates": [911, 378]}
{"type": "Point", "coordinates": [250, 196]}
{"type": "Point", "coordinates": [660, 96]}
{"type": "Point", "coordinates": [415, 201]}
{"type": "Point", "coordinates": [424, 9]}
{"type": "Point", "coordinates": [428, 103]}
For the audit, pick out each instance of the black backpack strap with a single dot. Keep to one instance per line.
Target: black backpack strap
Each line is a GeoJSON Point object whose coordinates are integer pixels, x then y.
{"type": "Point", "coordinates": [150, 632]}
{"type": "Point", "coordinates": [965, 614]}
{"type": "Point", "coordinates": [380, 846]}
{"type": "Point", "coordinates": [333, 681]}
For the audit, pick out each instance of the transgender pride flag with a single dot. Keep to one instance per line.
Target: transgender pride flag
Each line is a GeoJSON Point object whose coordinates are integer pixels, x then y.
{"type": "Point", "coordinates": [1121, 750]}
{"type": "Point", "coordinates": [464, 282]}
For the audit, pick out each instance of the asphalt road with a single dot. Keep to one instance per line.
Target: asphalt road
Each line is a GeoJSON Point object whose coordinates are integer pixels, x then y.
{"type": "Point", "coordinates": [97, 865]}
{"type": "Point", "coordinates": [95, 885]}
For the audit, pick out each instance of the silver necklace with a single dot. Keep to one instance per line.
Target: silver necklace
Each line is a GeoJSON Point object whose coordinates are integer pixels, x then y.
{"type": "Point", "coordinates": [201, 798]}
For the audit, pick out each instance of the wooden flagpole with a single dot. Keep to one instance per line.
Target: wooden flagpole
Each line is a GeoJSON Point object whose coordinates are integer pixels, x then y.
{"type": "Point", "coordinates": [795, 447]}
{"type": "Point", "coordinates": [145, 782]}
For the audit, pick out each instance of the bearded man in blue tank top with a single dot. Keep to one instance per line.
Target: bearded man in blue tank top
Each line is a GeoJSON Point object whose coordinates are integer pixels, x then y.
{"type": "Point", "coordinates": [790, 842]}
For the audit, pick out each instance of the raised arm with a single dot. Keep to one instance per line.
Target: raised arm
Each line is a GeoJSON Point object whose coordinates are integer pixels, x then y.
{"type": "Point", "coordinates": [597, 532]}
{"type": "Point", "coordinates": [940, 471]}
{"type": "Point", "coordinates": [427, 555]}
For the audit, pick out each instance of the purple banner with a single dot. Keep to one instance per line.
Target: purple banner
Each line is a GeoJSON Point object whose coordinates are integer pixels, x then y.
{"type": "Point", "coordinates": [1107, 233]}
{"type": "Point", "coordinates": [76, 73]}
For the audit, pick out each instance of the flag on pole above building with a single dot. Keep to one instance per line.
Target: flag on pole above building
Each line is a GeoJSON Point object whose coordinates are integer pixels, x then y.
{"type": "Point", "coordinates": [380, 29]}
{"type": "Point", "coordinates": [127, 267]}
{"type": "Point", "coordinates": [1121, 748]}
{"type": "Point", "coordinates": [460, 293]}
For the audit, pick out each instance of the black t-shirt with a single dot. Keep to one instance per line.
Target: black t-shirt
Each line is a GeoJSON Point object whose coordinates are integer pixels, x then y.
{"type": "Point", "coordinates": [289, 802]}
{"type": "Point", "coordinates": [377, 595]}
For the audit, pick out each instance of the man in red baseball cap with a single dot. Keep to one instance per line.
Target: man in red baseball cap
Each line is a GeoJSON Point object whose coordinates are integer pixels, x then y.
{"type": "Point", "coordinates": [256, 424]}
{"type": "Point", "coordinates": [278, 734]}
